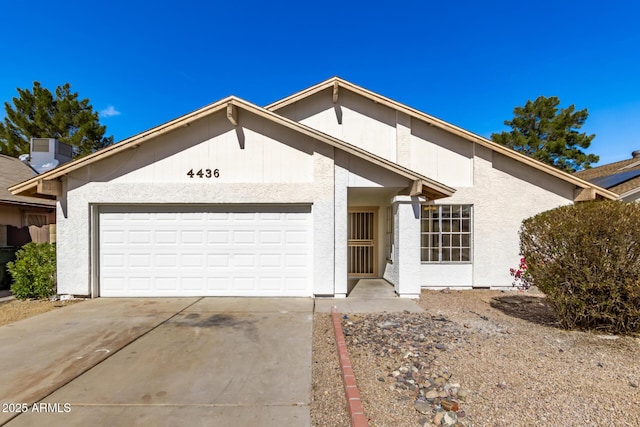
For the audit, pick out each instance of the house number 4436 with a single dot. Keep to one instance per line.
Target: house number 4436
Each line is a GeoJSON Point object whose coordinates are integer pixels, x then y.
{"type": "Point", "coordinates": [204, 173]}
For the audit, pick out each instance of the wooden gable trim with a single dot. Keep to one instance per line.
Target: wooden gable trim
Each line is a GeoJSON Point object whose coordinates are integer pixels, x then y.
{"type": "Point", "coordinates": [441, 124]}
{"type": "Point", "coordinates": [231, 105]}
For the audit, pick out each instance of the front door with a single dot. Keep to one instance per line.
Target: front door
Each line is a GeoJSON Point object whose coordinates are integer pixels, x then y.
{"type": "Point", "coordinates": [362, 243]}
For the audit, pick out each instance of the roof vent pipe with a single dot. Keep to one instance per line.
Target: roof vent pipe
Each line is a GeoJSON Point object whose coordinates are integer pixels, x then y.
{"type": "Point", "coordinates": [635, 154]}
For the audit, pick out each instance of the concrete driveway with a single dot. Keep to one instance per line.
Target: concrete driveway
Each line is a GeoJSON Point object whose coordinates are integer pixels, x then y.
{"type": "Point", "coordinates": [164, 361]}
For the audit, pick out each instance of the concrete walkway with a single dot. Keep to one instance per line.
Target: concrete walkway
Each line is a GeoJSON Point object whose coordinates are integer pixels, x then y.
{"type": "Point", "coordinates": [369, 296]}
{"type": "Point", "coordinates": [169, 361]}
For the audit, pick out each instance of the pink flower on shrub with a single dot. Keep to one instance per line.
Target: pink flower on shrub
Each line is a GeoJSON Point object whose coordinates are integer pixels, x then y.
{"type": "Point", "coordinates": [522, 278]}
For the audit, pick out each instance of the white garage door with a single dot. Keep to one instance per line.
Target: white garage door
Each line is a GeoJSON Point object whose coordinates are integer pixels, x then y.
{"type": "Point", "coordinates": [212, 251]}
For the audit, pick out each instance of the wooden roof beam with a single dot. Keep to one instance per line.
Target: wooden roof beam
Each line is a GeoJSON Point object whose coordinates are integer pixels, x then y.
{"type": "Point", "coordinates": [50, 187]}
{"type": "Point", "coordinates": [232, 114]}
{"type": "Point", "coordinates": [584, 194]}
{"type": "Point", "coordinates": [416, 188]}
{"type": "Point", "coordinates": [335, 92]}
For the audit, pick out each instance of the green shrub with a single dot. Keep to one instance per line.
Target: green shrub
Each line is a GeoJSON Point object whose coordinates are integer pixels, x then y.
{"type": "Point", "coordinates": [586, 259]}
{"type": "Point", "coordinates": [34, 271]}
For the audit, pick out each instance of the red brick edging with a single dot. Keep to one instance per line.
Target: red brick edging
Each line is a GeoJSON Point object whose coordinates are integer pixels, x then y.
{"type": "Point", "coordinates": [358, 419]}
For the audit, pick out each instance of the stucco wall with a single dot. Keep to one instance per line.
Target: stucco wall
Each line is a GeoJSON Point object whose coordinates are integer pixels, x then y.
{"type": "Point", "coordinates": [503, 192]}
{"type": "Point", "coordinates": [258, 163]}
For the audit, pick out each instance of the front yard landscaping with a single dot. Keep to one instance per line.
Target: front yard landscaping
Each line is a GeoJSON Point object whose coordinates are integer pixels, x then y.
{"type": "Point", "coordinates": [499, 356]}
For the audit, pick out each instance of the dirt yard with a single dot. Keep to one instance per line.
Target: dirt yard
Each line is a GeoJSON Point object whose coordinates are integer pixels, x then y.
{"type": "Point", "coordinates": [499, 356]}
{"type": "Point", "coordinates": [14, 310]}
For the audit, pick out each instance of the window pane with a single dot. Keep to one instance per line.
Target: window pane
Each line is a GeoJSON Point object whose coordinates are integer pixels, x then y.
{"type": "Point", "coordinates": [446, 233]}
{"type": "Point", "coordinates": [427, 211]}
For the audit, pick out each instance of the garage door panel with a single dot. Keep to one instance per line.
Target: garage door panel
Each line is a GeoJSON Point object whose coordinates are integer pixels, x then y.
{"type": "Point", "coordinates": [191, 237]}
{"type": "Point", "coordinates": [218, 237]}
{"type": "Point", "coordinates": [166, 261]}
{"type": "Point", "coordinates": [166, 284]}
{"type": "Point", "coordinates": [217, 260]}
{"type": "Point", "coordinates": [179, 251]}
{"type": "Point", "coordinates": [191, 260]}
{"type": "Point", "coordinates": [140, 261]}
{"type": "Point", "coordinates": [243, 237]}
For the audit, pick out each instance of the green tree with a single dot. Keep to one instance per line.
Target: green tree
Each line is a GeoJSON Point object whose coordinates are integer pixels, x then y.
{"type": "Point", "coordinates": [542, 132]}
{"type": "Point", "coordinates": [40, 114]}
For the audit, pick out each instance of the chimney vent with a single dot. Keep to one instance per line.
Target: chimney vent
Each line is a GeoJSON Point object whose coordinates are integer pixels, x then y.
{"type": "Point", "coordinates": [635, 154]}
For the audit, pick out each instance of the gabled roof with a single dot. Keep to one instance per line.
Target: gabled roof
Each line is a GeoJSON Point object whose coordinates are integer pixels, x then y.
{"type": "Point", "coordinates": [422, 184]}
{"type": "Point", "coordinates": [337, 84]}
{"type": "Point", "coordinates": [620, 177]}
{"type": "Point", "coordinates": [13, 171]}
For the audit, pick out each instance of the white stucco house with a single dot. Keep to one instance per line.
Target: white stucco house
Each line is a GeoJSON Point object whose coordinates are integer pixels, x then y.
{"type": "Point", "coordinates": [298, 198]}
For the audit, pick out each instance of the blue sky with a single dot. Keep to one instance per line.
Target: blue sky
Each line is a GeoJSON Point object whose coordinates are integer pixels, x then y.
{"type": "Point", "coordinates": [467, 62]}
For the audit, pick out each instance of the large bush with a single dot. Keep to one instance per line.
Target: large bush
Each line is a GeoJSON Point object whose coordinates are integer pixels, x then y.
{"type": "Point", "coordinates": [586, 259]}
{"type": "Point", "coordinates": [34, 271]}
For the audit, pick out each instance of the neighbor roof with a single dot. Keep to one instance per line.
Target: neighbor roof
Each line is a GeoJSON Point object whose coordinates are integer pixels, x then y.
{"type": "Point", "coordinates": [13, 172]}
{"type": "Point", "coordinates": [336, 83]}
{"type": "Point", "coordinates": [620, 177]}
{"type": "Point", "coordinates": [428, 186]}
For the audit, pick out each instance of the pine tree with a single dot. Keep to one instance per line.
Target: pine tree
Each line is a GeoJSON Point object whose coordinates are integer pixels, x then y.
{"type": "Point", "coordinates": [542, 132]}
{"type": "Point", "coordinates": [40, 114]}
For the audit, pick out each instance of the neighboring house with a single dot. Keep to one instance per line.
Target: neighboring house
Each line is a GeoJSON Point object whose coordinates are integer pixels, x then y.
{"type": "Point", "coordinates": [330, 184]}
{"type": "Point", "coordinates": [622, 178]}
{"type": "Point", "coordinates": [22, 218]}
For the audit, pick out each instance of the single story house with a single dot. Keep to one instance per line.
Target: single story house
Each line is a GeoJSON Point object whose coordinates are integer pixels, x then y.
{"type": "Point", "coordinates": [22, 218]}
{"type": "Point", "coordinates": [330, 184]}
{"type": "Point", "coordinates": [621, 178]}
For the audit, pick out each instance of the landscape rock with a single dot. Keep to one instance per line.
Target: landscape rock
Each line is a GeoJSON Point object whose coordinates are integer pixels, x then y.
{"type": "Point", "coordinates": [411, 342]}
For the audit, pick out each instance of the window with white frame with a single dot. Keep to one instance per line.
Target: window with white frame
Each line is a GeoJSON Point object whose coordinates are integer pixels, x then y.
{"type": "Point", "coordinates": [389, 234]}
{"type": "Point", "coordinates": [446, 233]}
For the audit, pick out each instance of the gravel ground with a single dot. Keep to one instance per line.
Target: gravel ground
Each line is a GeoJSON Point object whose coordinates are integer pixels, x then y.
{"type": "Point", "coordinates": [497, 355]}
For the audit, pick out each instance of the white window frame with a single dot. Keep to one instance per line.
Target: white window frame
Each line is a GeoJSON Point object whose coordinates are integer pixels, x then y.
{"type": "Point", "coordinates": [447, 236]}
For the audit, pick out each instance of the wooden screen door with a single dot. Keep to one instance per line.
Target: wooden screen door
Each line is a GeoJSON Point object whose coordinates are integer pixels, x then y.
{"type": "Point", "coordinates": [362, 242]}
